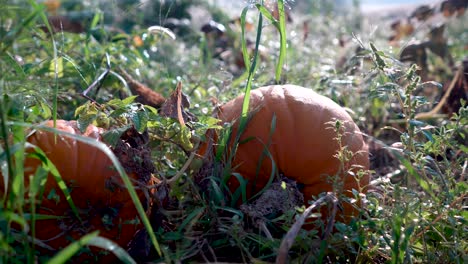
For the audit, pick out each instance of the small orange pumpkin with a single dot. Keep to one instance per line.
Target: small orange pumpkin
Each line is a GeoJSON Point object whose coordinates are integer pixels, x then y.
{"type": "Point", "coordinates": [96, 189]}
{"type": "Point", "coordinates": [303, 144]}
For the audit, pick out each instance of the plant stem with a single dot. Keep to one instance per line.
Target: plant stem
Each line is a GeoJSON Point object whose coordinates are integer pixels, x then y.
{"type": "Point", "coordinates": [283, 43]}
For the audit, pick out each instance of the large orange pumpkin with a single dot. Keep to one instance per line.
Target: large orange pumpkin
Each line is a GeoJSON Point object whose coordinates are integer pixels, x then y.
{"type": "Point", "coordinates": [303, 144]}
{"type": "Point", "coordinates": [96, 189]}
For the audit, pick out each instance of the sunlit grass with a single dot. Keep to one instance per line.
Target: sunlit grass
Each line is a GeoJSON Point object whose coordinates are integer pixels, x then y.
{"type": "Point", "coordinates": [415, 214]}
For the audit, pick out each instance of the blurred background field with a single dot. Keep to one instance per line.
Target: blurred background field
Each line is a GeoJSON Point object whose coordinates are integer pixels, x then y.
{"type": "Point", "coordinates": [399, 68]}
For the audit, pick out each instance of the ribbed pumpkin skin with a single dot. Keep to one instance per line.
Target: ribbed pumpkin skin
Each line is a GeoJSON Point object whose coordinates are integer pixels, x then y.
{"type": "Point", "coordinates": [303, 145]}
{"type": "Point", "coordinates": [87, 171]}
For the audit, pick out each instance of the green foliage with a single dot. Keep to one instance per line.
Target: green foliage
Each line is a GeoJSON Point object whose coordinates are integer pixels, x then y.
{"type": "Point", "coordinates": [415, 214]}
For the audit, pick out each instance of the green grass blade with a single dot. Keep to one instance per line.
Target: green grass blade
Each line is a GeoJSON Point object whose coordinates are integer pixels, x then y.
{"type": "Point", "coordinates": [241, 190]}
{"type": "Point", "coordinates": [111, 246]}
{"type": "Point", "coordinates": [19, 220]}
{"type": "Point", "coordinates": [252, 69]}
{"type": "Point", "coordinates": [7, 165]}
{"type": "Point", "coordinates": [244, 118]}
{"type": "Point", "coordinates": [128, 184]}
{"type": "Point", "coordinates": [190, 217]}
{"type": "Point", "coordinates": [415, 174]}
{"type": "Point", "coordinates": [39, 175]}
{"type": "Point", "coordinates": [267, 14]}
{"type": "Point", "coordinates": [17, 184]}
{"type": "Point", "coordinates": [56, 60]}
{"type": "Point", "coordinates": [29, 217]}
{"type": "Point", "coordinates": [10, 37]}
{"type": "Point", "coordinates": [245, 53]}
{"type": "Point", "coordinates": [6, 162]}
{"type": "Point", "coordinates": [216, 192]}
{"type": "Point", "coordinates": [50, 167]}
{"type": "Point", "coordinates": [65, 254]}
{"type": "Point", "coordinates": [10, 60]}
{"type": "Point", "coordinates": [280, 25]}
{"type": "Point", "coordinates": [267, 153]}
{"type": "Point", "coordinates": [283, 43]}
{"type": "Point", "coordinates": [4, 172]}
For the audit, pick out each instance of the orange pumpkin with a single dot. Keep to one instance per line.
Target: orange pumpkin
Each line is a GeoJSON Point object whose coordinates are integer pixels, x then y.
{"type": "Point", "coordinates": [303, 144]}
{"type": "Point", "coordinates": [96, 189]}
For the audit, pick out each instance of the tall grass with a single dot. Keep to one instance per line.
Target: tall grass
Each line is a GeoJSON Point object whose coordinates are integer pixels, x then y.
{"type": "Point", "coordinates": [416, 212]}
{"type": "Point", "coordinates": [19, 218]}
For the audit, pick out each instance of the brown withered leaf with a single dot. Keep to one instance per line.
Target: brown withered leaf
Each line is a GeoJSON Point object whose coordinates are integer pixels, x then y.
{"type": "Point", "coordinates": [453, 91]}
{"type": "Point", "coordinates": [401, 29]}
{"type": "Point", "coordinates": [63, 23]}
{"type": "Point", "coordinates": [175, 106]}
{"type": "Point", "coordinates": [146, 95]}
{"type": "Point", "coordinates": [458, 92]}
{"type": "Point", "coordinates": [438, 43]}
{"type": "Point", "coordinates": [416, 53]}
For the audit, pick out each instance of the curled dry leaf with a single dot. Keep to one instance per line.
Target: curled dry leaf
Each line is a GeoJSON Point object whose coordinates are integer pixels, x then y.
{"type": "Point", "coordinates": [175, 106]}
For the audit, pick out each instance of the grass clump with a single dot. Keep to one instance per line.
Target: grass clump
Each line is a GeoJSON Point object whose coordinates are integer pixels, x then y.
{"type": "Point", "coordinates": [415, 211]}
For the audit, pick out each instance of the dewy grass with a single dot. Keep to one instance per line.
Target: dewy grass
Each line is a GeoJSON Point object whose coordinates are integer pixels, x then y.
{"type": "Point", "coordinates": [251, 68]}
{"type": "Point", "coordinates": [280, 25]}
{"type": "Point", "coordinates": [57, 64]}
{"type": "Point", "coordinates": [91, 239]}
{"type": "Point", "coordinates": [419, 224]}
{"type": "Point", "coordinates": [419, 220]}
{"type": "Point", "coordinates": [283, 37]}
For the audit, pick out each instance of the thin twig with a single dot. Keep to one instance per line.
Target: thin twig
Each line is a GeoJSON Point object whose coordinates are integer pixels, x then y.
{"type": "Point", "coordinates": [185, 167]}
{"type": "Point", "coordinates": [331, 219]}
{"type": "Point", "coordinates": [463, 173]}
{"type": "Point", "coordinates": [435, 110]}
{"type": "Point", "coordinates": [179, 104]}
{"type": "Point", "coordinates": [265, 230]}
{"type": "Point", "coordinates": [289, 238]}
{"type": "Point", "coordinates": [98, 82]}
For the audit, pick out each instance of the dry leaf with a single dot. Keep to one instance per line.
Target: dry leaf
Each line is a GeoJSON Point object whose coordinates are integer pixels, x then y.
{"type": "Point", "coordinates": [175, 106]}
